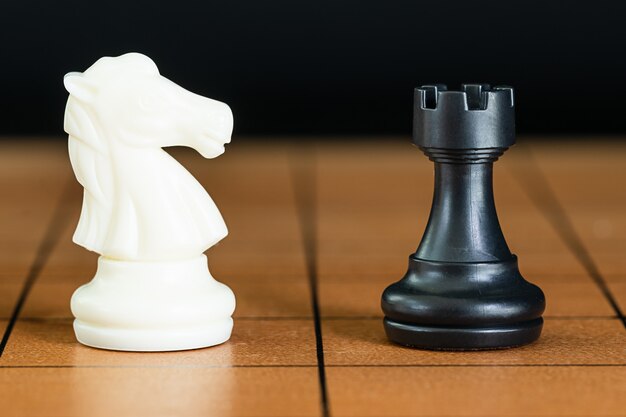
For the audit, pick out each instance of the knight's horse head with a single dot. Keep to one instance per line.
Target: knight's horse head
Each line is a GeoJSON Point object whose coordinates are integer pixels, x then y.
{"type": "Point", "coordinates": [137, 106]}
{"type": "Point", "coordinates": [119, 115]}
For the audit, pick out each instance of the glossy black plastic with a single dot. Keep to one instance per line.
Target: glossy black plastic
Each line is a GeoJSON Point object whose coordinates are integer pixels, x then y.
{"type": "Point", "coordinates": [463, 289]}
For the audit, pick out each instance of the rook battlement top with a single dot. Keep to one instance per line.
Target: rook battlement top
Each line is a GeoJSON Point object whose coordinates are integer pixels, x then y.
{"type": "Point", "coordinates": [470, 97]}
{"type": "Point", "coordinates": [477, 116]}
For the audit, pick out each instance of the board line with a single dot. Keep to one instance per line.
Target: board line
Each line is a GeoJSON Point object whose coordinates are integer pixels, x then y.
{"type": "Point", "coordinates": [535, 183]}
{"type": "Point", "coordinates": [58, 222]}
{"type": "Point", "coordinates": [337, 365]}
{"type": "Point", "coordinates": [305, 318]}
{"type": "Point", "coordinates": [305, 193]}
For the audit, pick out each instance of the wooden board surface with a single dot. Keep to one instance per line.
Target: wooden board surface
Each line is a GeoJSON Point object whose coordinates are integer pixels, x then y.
{"type": "Point", "coordinates": [316, 233]}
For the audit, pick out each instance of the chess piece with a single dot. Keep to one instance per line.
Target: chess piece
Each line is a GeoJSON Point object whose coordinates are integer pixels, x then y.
{"type": "Point", "coordinates": [463, 289]}
{"type": "Point", "coordinates": [147, 217]}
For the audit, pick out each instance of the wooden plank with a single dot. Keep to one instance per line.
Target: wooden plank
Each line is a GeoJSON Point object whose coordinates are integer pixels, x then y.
{"type": "Point", "coordinates": [371, 205]}
{"type": "Point", "coordinates": [254, 343]}
{"type": "Point", "coordinates": [267, 368]}
{"type": "Point", "coordinates": [573, 296]}
{"type": "Point", "coordinates": [364, 245]}
{"type": "Point", "coordinates": [261, 259]}
{"type": "Point", "coordinates": [358, 342]}
{"type": "Point", "coordinates": [372, 209]}
{"type": "Point", "coordinates": [587, 181]}
{"type": "Point", "coordinates": [158, 392]}
{"type": "Point", "coordinates": [33, 175]}
{"type": "Point", "coordinates": [477, 391]}
{"type": "Point", "coordinates": [254, 272]}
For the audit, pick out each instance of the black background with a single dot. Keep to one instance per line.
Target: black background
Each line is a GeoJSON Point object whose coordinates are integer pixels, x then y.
{"type": "Point", "coordinates": [327, 67]}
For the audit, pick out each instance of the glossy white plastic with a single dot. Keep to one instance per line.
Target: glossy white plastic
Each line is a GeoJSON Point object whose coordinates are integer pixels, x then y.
{"type": "Point", "coordinates": [147, 217]}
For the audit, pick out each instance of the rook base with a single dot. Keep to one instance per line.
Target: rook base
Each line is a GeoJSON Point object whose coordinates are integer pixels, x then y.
{"type": "Point", "coordinates": [463, 306]}
{"type": "Point", "coordinates": [463, 338]}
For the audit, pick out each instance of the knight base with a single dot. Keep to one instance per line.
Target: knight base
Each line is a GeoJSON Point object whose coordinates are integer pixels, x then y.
{"type": "Point", "coordinates": [153, 306]}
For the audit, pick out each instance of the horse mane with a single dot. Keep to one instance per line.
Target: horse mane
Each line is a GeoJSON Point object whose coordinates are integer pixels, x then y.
{"type": "Point", "coordinates": [127, 192]}
{"type": "Point", "coordinates": [89, 155]}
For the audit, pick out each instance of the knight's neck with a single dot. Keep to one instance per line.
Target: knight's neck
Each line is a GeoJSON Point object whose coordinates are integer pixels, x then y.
{"type": "Point", "coordinates": [135, 152]}
{"type": "Point", "coordinates": [133, 164]}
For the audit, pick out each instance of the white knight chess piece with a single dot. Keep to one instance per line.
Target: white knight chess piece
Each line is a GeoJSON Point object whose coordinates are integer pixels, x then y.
{"type": "Point", "coordinates": [147, 217]}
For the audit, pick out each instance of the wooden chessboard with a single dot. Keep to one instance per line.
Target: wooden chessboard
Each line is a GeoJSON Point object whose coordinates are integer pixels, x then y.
{"type": "Point", "coordinates": [316, 232]}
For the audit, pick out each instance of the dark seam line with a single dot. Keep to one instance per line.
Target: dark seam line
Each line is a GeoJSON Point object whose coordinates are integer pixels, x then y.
{"type": "Point", "coordinates": [270, 318]}
{"type": "Point", "coordinates": [443, 365]}
{"type": "Point", "coordinates": [541, 194]}
{"type": "Point", "coordinates": [490, 365]}
{"type": "Point", "coordinates": [300, 318]}
{"type": "Point", "coordinates": [51, 237]}
{"type": "Point", "coordinates": [152, 367]}
{"type": "Point", "coordinates": [551, 318]}
{"type": "Point", "coordinates": [305, 191]}
{"type": "Point", "coordinates": [261, 318]}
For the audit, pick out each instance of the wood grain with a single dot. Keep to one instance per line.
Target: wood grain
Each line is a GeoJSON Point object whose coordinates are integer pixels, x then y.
{"type": "Point", "coordinates": [563, 342]}
{"type": "Point", "coordinates": [478, 391]}
{"type": "Point", "coordinates": [157, 392]}
{"type": "Point", "coordinates": [52, 343]}
{"type": "Point", "coordinates": [316, 233]}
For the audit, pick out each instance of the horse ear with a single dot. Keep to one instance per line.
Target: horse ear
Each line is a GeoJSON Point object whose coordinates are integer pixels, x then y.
{"type": "Point", "coordinates": [79, 86]}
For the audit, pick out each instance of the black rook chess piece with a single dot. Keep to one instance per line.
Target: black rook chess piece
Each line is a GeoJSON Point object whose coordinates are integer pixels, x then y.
{"type": "Point", "coordinates": [463, 289]}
